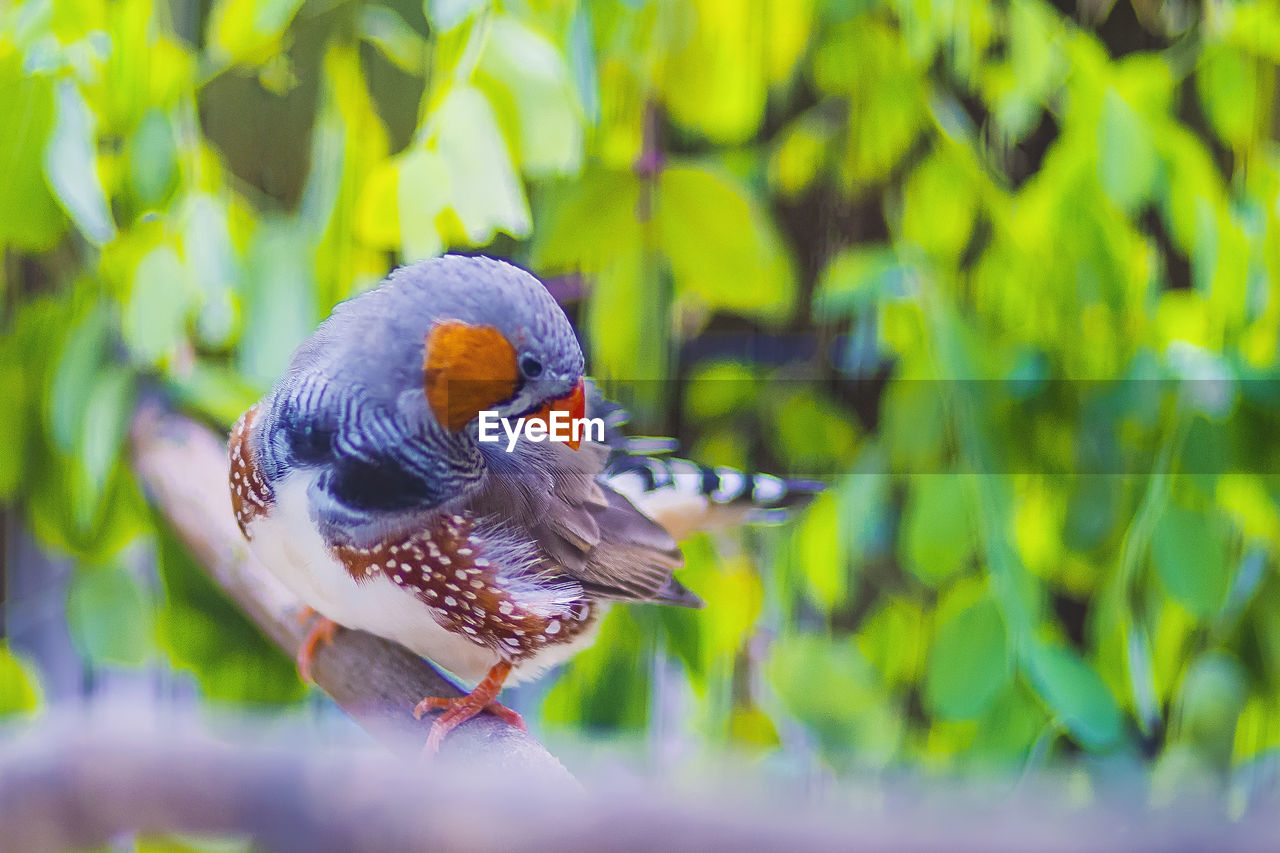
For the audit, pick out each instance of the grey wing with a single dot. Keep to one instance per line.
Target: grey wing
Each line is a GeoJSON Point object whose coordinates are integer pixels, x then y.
{"type": "Point", "coordinates": [635, 557]}
{"type": "Point", "coordinates": [592, 532]}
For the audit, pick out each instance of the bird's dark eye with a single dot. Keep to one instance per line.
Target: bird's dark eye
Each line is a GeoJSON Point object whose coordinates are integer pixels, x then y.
{"type": "Point", "coordinates": [530, 367]}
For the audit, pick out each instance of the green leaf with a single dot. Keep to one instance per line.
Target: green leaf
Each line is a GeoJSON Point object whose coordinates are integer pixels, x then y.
{"type": "Point", "coordinates": [422, 193]}
{"type": "Point", "coordinates": [29, 215]}
{"type": "Point", "coordinates": [1227, 83]}
{"type": "Point", "coordinates": [1035, 67]}
{"type": "Point", "coordinates": [885, 94]}
{"type": "Point", "coordinates": [590, 226]}
{"type": "Point", "coordinates": [865, 501]}
{"type": "Point", "coordinates": [938, 207]}
{"type": "Point", "coordinates": [249, 31]}
{"type": "Point", "coordinates": [155, 313]}
{"type": "Point", "coordinates": [212, 264]}
{"type": "Point", "coordinates": [1008, 732]}
{"type": "Point", "coordinates": [915, 422]}
{"type": "Point", "coordinates": [485, 192]}
{"type": "Point", "coordinates": [153, 158]}
{"type": "Point", "coordinates": [109, 617]}
{"type": "Point", "coordinates": [79, 361]}
{"type": "Point", "coordinates": [823, 552]}
{"type": "Point", "coordinates": [813, 433]}
{"type": "Point", "coordinates": [526, 78]}
{"type": "Point", "coordinates": [970, 663]}
{"type": "Point", "coordinates": [65, 513]}
{"type": "Point", "coordinates": [714, 79]}
{"type": "Point", "coordinates": [608, 685]}
{"type": "Point", "coordinates": [733, 594]}
{"type": "Point", "coordinates": [718, 389]}
{"type": "Point", "coordinates": [1075, 694]}
{"type": "Point", "coordinates": [1212, 694]}
{"type": "Point", "coordinates": [200, 630]}
{"type": "Point", "coordinates": [939, 532]}
{"type": "Point", "coordinates": [618, 316]}
{"type": "Point", "coordinates": [19, 687]}
{"type": "Point", "coordinates": [791, 27]}
{"type": "Point", "coordinates": [1127, 160]}
{"type": "Point", "coordinates": [723, 248]}
{"type": "Point", "coordinates": [14, 418]}
{"type": "Point", "coordinates": [585, 224]}
{"type": "Point", "coordinates": [1194, 185]}
{"type": "Point", "coordinates": [752, 727]}
{"type": "Point", "coordinates": [830, 687]}
{"type": "Point", "coordinates": [1189, 550]}
{"type": "Point", "coordinates": [400, 43]}
{"type": "Point", "coordinates": [280, 297]}
{"type": "Point", "coordinates": [856, 279]}
{"type": "Point", "coordinates": [71, 165]}
{"type": "Point", "coordinates": [893, 640]}
{"type": "Point", "coordinates": [799, 156]}
{"type": "Point", "coordinates": [444, 15]}
{"type": "Point", "coordinates": [107, 417]}
{"type": "Point", "coordinates": [374, 227]}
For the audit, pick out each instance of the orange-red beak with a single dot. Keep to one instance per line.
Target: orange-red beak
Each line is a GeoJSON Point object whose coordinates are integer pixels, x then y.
{"type": "Point", "coordinates": [574, 405]}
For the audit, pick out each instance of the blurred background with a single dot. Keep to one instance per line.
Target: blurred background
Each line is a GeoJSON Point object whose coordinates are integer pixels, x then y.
{"type": "Point", "coordinates": [1003, 274]}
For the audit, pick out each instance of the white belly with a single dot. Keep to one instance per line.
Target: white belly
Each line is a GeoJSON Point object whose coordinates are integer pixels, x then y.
{"type": "Point", "coordinates": [287, 542]}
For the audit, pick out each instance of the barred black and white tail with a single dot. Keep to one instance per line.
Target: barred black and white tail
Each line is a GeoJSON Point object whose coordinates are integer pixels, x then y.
{"type": "Point", "coordinates": [683, 496]}
{"type": "Point", "coordinates": [686, 497]}
{"type": "Point", "coordinates": [768, 496]}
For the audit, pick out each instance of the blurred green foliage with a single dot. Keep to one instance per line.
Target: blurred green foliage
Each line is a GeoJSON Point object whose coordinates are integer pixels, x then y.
{"type": "Point", "coordinates": [1002, 228]}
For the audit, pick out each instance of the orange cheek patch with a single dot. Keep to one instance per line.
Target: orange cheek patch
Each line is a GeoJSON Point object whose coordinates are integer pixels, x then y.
{"type": "Point", "coordinates": [468, 368]}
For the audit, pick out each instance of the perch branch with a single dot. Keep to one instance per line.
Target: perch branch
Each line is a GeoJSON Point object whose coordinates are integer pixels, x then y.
{"type": "Point", "coordinates": [183, 466]}
{"type": "Point", "coordinates": [76, 783]}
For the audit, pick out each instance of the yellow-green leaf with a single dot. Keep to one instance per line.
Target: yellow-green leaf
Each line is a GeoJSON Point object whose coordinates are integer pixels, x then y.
{"type": "Point", "coordinates": [527, 79]}
{"type": "Point", "coordinates": [19, 687]}
{"type": "Point", "coordinates": [939, 534]}
{"type": "Point", "coordinates": [724, 250]}
{"type": "Point", "coordinates": [485, 192]}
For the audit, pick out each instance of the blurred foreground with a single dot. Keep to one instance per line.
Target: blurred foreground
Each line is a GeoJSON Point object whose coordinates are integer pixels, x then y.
{"type": "Point", "coordinates": [1003, 275]}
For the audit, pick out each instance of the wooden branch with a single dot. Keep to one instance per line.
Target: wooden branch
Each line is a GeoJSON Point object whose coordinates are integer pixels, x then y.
{"type": "Point", "coordinates": [77, 783]}
{"type": "Point", "coordinates": [72, 783]}
{"type": "Point", "coordinates": [183, 467]}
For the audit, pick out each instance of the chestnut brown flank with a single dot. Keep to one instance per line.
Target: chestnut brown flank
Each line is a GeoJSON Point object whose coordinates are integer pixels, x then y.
{"type": "Point", "coordinates": [251, 496]}
{"type": "Point", "coordinates": [446, 568]}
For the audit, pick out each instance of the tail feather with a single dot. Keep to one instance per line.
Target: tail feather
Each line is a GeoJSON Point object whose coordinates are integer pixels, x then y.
{"type": "Point", "coordinates": [683, 496]}
{"type": "Point", "coordinates": [686, 497]}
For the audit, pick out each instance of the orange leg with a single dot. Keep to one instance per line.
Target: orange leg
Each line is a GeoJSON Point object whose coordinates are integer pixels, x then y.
{"type": "Point", "coordinates": [321, 631]}
{"type": "Point", "coordinates": [458, 711]}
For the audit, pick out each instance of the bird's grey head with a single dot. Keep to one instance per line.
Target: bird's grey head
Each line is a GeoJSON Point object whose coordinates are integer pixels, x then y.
{"type": "Point", "coordinates": [469, 333]}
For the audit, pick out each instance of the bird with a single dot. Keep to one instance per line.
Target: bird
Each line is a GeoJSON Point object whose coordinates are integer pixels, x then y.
{"type": "Point", "coordinates": [361, 482]}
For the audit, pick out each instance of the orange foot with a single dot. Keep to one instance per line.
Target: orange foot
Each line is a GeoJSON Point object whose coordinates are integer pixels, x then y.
{"type": "Point", "coordinates": [458, 711]}
{"type": "Point", "coordinates": [321, 631]}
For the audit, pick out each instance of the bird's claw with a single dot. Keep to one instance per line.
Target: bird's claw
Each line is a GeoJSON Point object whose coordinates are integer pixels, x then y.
{"type": "Point", "coordinates": [458, 711]}
{"type": "Point", "coordinates": [462, 708]}
{"type": "Point", "coordinates": [322, 631]}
